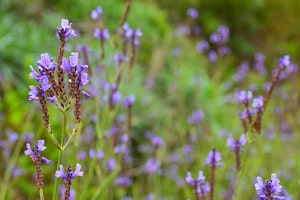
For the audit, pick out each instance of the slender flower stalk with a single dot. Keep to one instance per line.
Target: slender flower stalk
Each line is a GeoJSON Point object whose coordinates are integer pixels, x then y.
{"type": "Point", "coordinates": [35, 155]}
{"type": "Point", "coordinates": [235, 147]}
{"type": "Point", "coordinates": [213, 160]}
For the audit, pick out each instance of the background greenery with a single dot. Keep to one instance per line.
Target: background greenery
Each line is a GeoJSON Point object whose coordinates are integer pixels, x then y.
{"type": "Point", "coordinates": [27, 29]}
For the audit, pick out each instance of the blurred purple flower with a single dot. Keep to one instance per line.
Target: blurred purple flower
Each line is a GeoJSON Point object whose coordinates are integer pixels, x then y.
{"type": "Point", "coordinates": [152, 165]}
{"type": "Point", "coordinates": [157, 141]}
{"type": "Point", "coordinates": [128, 101]}
{"type": "Point", "coordinates": [111, 164]}
{"type": "Point", "coordinates": [101, 34]}
{"type": "Point", "coordinates": [213, 158]}
{"type": "Point", "coordinates": [193, 13]}
{"type": "Point", "coordinates": [202, 46]}
{"type": "Point", "coordinates": [196, 117]}
{"type": "Point", "coordinates": [95, 14]}
{"type": "Point", "coordinates": [258, 103]}
{"type": "Point", "coordinates": [123, 181]}
{"type": "Point", "coordinates": [284, 61]}
{"type": "Point", "coordinates": [236, 144]}
{"type": "Point", "coordinates": [244, 97]}
{"type": "Point", "coordinates": [212, 56]}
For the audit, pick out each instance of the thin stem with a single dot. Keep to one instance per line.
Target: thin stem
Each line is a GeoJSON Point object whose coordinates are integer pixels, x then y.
{"type": "Point", "coordinates": [41, 194]}
{"type": "Point", "coordinates": [70, 138]}
{"type": "Point", "coordinates": [9, 169]}
{"type": "Point", "coordinates": [60, 155]}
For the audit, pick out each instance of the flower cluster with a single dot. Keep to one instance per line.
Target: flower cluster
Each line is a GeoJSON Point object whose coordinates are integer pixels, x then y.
{"type": "Point", "coordinates": [268, 190]}
{"type": "Point", "coordinates": [35, 155]}
{"type": "Point", "coordinates": [199, 184]}
{"type": "Point", "coordinates": [51, 87]}
{"type": "Point", "coordinates": [236, 144]}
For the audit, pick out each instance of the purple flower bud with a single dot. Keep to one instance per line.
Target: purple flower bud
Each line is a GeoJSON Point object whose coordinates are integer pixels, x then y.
{"type": "Point", "coordinates": [152, 165]}
{"type": "Point", "coordinates": [202, 46]}
{"type": "Point", "coordinates": [196, 117]}
{"type": "Point", "coordinates": [236, 144]}
{"type": "Point", "coordinates": [123, 181]}
{"type": "Point", "coordinates": [285, 61]}
{"type": "Point", "coordinates": [213, 158]}
{"type": "Point", "coordinates": [244, 96]}
{"type": "Point", "coordinates": [258, 103]}
{"type": "Point", "coordinates": [193, 13]}
{"type": "Point", "coordinates": [101, 34]}
{"type": "Point", "coordinates": [95, 14]}
{"type": "Point", "coordinates": [157, 141]}
{"type": "Point", "coordinates": [128, 101]}
{"type": "Point", "coordinates": [212, 56]}
{"type": "Point", "coordinates": [111, 165]}
{"type": "Point", "coordinates": [66, 29]}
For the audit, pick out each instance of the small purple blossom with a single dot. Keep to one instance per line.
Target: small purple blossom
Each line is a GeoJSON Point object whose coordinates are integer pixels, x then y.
{"type": "Point", "coordinates": [244, 97]}
{"type": "Point", "coordinates": [236, 144]}
{"type": "Point", "coordinates": [202, 46]}
{"type": "Point", "coordinates": [128, 101]}
{"type": "Point", "coordinates": [202, 186]}
{"type": "Point", "coordinates": [212, 56]}
{"type": "Point", "coordinates": [213, 158]}
{"type": "Point", "coordinates": [152, 165]}
{"type": "Point", "coordinates": [36, 153]}
{"type": "Point", "coordinates": [196, 117]}
{"type": "Point", "coordinates": [119, 58]}
{"type": "Point", "coordinates": [258, 103]}
{"type": "Point", "coordinates": [123, 181]}
{"type": "Point", "coordinates": [65, 30]}
{"type": "Point", "coordinates": [111, 164]}
{"type": "Point", "coordinates": [284, 61]}
{"type": "Point", "coordinates": [157, 141]}
{"type": "Point", "coordinates": [69, 175]}
{"type": "Point", "coordinates": [95, 14]}
{"type": "Point", "coordinates": [101, 34]}
{"type": "Point", "coordinates": [193, 13]}
{"type": "Point", "coordinates": [269, 189]}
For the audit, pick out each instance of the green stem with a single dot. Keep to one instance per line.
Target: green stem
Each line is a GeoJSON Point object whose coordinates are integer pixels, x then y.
{"type": "Point", "coordinates": [74, 131]}
{"type": "Point", "coordinates": [41, 194]}
{"type": "Point", "coordinates": [9, 169]}
{"type": "Point", "coordinates": [60, 155]}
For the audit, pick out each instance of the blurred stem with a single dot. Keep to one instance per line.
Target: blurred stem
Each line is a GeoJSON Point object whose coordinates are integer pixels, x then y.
{"type": "Point", "coordinates": [60, 155]}
{"type": "Point", "coordinates": [9, 169]}
{"type": "Point", "coordinates": [240, 175]}
{"type": "Point", "coordinates": [41, 194]}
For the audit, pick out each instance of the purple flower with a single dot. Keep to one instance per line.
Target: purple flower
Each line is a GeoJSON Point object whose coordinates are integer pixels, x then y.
{"type": "Point", "coordinates": [100, 153]}
{"type": "Point", "coordinates": [244, 96]}
{"type": "Point", "coordinates": [269, 189]}
{"type": "Point", "coordinates": [115, 97]}
{"type": "Point", "coordinates": [119, 58]}
{"type": "Point", "coordinates": [101, 34]}
{"type": "Point", "coordinates": [258, 103]}
{"type": "Point", "coordinates": [202, 186]}
{"type": "Point", "coordinates": [131, 35]}
{"type": "Point", "coordinates": [221, 36]}
{"type": "Point", "coordinates": [236, 144]}
{"type": "Point", "coordinates": [111, 165]}
{"type": "Point", "coordinates": [128, 101]}
{"type": "Point", "coordinates": [196, 117]}
{"type": "Point", "coordinates": [213, 158]}
{"type": "Point", "coordinates": [95, 14]}
{"type": "Point", "coordinates": [152, 165]}
{"type": "Point", "coordinates": [69, 175]}
{"type": "Point", "coordinates": [212, 56]}
{"type": "Point", "coordinates": [284, 61]}
{"type": "Point", "coordinates": [157, 141]}
{"type": "Point", "coordinates": [124, 181]}
{"type": "Point", "coordinates": [65, 30]}
{"type": "Point", "coordinates": [193, 13]}
{"type": "Point", "coordinates": [46, 62]}
{"type": "Point", "coordinates": [36, 153]}
{"type": "Point", "coordinates": [202, 46]}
